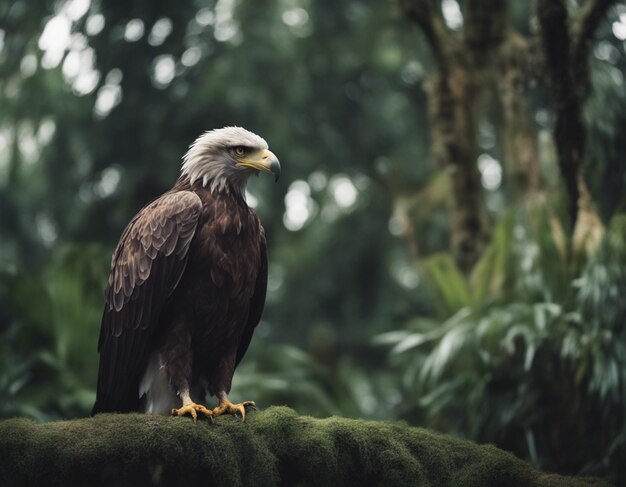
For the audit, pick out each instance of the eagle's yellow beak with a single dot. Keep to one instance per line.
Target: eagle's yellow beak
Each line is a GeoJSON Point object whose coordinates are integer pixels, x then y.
{"type": "Point", "coordinates": [264, 161]}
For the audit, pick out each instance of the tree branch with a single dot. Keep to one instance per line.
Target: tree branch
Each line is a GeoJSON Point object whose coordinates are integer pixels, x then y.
{"type": "Point", "coordinates": [427, 15]}
{"type": "Point", "coordinates": [274, 447]}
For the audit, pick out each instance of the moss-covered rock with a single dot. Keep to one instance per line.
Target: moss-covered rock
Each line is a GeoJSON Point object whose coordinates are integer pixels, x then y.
{"type": "Point", "coordinates": [273, 447]}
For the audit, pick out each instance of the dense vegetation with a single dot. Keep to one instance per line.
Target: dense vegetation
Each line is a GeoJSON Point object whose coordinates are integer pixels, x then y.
{"type": "Point", "coordinates": [448, 239]}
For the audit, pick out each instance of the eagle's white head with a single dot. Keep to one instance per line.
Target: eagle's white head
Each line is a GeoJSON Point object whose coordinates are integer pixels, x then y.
{"type": "Point", "coordinates": [224, 159]}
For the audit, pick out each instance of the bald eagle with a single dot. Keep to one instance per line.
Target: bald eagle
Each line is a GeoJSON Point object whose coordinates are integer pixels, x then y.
{"type": "Point", "coordinates": [187, 286]}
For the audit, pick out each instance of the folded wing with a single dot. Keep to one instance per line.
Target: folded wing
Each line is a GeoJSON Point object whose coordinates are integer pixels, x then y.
{"type": "Point", "coordinates": [147, 265]}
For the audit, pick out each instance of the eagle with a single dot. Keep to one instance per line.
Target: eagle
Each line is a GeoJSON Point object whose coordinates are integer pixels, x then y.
{"type": "Point", "coordinates": [187, 286]}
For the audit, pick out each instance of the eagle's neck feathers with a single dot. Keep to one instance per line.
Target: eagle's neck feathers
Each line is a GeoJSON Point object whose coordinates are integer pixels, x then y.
{"type": "Point", "coordinates": [213, 173]}
{"type": "Point", "coordinates": [208, 159]}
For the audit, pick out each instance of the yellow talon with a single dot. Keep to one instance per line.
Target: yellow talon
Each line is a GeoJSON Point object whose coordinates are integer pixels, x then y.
{"type": "Point", "coordinates": [227, 407]}
{"type": "Point", "coordinates": [193, 409]}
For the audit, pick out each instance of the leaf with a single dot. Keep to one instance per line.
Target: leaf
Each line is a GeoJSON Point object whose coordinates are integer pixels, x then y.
{"type": "Point", "coordinates": [409, 342]}
{"type": "Point", "coordinates": [444, 353]}
{"type": "Point", "coordinates": [390, 337]}
{"type": "Point", "coordinates": [450, 285]}
{"type": "Point", "coordinates": [491, 273]}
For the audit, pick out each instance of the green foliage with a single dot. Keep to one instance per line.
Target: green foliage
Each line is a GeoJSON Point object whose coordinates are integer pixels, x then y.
{"type": "Point", "coordinates": [454, 290]}
{"type": "Point", "coordinates": [607, 145]}
{"type": "Point", "coordinates": [533, 353]}
{"type": "Point", "coordinates": [49, 344]}
{"type": "Point", "coordinates": [315, 386]}
{"type": "Point", "coordinates": [273, 447]}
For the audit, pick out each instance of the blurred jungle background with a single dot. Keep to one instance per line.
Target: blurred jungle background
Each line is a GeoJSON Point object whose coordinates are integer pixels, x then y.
{"type": "Point", "coordinates": [448, 239]}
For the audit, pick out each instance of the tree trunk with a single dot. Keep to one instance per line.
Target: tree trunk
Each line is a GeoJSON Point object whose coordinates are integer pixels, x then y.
{"type": "Point", "coordinates": [566, 49]}
{"type": "Point", "coordinates": [453, 106]}
{"type": "Point", "coordinates": [490, 53]}
{"type": "Point", "coordinates": [519, 139]}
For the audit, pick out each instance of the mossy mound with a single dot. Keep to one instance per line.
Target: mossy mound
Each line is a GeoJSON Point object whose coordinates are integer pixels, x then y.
{"type": "Point", "coordinates": [273, 447]}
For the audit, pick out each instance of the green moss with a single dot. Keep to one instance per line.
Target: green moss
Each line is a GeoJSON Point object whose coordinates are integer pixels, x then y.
{"type": "Point", "coordinates": [273, 447]}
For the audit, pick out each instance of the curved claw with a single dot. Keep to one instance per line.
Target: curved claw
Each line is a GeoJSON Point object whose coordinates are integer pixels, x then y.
{"type": "Point", "coordinates": [192, 409]}
{"type": "Point", "coordinates": [226, 407]}
{"type": "Point", "coordinates": [243, 406]}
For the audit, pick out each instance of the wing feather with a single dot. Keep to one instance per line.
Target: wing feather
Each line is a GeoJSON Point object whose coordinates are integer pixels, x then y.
{"type": "Point", "coordinates": [146, 267]}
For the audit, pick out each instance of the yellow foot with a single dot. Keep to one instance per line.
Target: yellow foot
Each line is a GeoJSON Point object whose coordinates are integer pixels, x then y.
{"type": "Point", "coordinates": [227, 407]}
{"type": "Point", "coordinates": [193, 409]}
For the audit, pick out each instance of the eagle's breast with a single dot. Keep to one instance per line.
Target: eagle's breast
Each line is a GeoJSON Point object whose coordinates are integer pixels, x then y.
{"type": "Point", "coordinates": [224, 263]}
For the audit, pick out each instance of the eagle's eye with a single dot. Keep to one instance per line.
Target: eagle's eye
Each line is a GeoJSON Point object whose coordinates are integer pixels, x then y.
{"type": "Point", "coordinates": [239, 151]}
